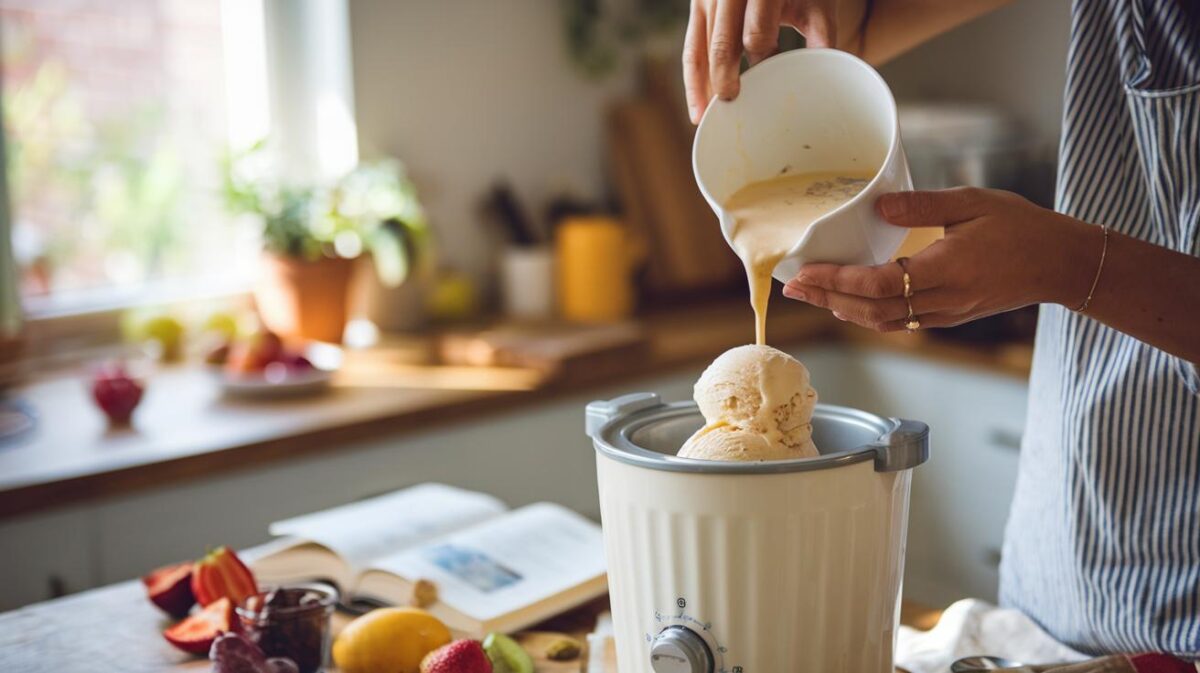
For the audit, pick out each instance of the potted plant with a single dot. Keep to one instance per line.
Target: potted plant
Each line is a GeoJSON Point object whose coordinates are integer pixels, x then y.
{"type": "Point", "coordinates": [314, 234]}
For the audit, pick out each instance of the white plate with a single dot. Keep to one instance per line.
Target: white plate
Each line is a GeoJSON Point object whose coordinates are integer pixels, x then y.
{"type": "Point", "coordinates": [292, 383]}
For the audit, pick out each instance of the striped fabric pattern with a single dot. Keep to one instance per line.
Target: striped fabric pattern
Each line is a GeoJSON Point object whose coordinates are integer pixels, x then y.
{"type": "Point", "coordinates": [1103, 541]}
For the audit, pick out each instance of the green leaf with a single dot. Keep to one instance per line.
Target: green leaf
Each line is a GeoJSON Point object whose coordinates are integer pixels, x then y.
{"type": "Point", "coordinates": [391, 261]}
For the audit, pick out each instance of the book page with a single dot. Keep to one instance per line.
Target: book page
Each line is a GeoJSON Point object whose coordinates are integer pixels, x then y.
{"type": "Point", "coordinates": [363, 531]}
{"type": "Point", "coordinates": [508, 563]}
{"type": "Point", "coordinates": [286, 560]}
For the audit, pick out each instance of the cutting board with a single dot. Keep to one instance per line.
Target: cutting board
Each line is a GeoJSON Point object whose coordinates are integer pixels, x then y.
{"type": "Point", "coordinates": [650, 157]}
{"type": "Point", "coordinates": [560, 351]}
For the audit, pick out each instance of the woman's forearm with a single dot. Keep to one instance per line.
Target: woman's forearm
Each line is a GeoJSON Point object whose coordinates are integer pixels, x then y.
{"type": "Point", "coordinates": [1147, 291]}
{"type": "Point", "coordinates": [895, 26]}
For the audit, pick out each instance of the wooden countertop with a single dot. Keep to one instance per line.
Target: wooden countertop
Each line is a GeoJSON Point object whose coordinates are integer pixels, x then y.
{"type": "Point", "coordinates": [116, 630]}
{"type": "Point", "coordinates": [185, 429]}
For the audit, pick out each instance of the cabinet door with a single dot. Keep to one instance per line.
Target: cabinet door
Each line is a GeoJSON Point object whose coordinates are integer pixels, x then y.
{"type": "Point", "coordinates": [961, 497]}
{"type": "Point", "coordinates": [46, 555]}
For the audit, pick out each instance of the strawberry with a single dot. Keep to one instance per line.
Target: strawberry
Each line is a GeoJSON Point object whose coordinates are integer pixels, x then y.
{"type": "Point", "coordinates": [460, 656]}
{"type": "Point", "coordinates": [170, 588]}
{"type": "Point", "coordinates": [197, 633]}
{"type": "Point", "coordinates": [221, 574]}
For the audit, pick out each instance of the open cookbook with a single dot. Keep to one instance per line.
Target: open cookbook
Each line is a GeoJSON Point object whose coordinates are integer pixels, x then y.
{"type": "Point", "coordinates": [495, 569]}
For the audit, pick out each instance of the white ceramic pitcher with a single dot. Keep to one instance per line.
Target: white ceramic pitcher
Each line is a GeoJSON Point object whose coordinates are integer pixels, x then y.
{"type": "Point", "coordinates": [803, 111]}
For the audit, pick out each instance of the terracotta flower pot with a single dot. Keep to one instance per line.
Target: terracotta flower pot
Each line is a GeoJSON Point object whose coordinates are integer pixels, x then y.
{"type": "Point", "coordinates": [302, 299]}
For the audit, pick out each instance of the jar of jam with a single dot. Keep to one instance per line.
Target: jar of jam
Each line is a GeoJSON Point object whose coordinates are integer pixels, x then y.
{"type": "Point", "coordinates": [293, 622]}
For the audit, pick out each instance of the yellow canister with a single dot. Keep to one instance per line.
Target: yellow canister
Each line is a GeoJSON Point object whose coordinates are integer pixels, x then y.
{"type": "Point", "coordinates": [595, 261]}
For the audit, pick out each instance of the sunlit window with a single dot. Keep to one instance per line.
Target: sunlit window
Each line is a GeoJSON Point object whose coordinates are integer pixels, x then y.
{"type": "Point", "coordinates": [116, 113]}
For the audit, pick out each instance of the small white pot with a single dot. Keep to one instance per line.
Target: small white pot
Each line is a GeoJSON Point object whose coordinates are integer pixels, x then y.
{"type": "Point", "coordinates": [527, 282]}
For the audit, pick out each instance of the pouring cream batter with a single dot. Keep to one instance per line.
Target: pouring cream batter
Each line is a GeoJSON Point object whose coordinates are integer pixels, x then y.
{"type": "Point", "coordinates": [771, 215]}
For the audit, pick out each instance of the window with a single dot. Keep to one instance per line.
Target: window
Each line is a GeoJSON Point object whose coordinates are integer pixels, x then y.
{"type": "Point", "coordinates": [116, 113]}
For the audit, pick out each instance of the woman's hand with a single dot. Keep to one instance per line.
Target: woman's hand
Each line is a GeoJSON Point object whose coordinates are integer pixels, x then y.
{"type": "Point", "coordinates": [719, 31]}
{"type": "Point", "coordinates": [1000, 253]}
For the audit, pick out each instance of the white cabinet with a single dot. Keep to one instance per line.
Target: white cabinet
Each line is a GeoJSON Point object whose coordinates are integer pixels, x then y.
{"type": "Point", "coordinates": [46, 555]}
{"type": "Point", "coordinates": [961, 497]}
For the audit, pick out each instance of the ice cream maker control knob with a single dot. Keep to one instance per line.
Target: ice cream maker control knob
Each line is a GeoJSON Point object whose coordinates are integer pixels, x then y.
{"type": "Point", "coordinates": [677, 649]}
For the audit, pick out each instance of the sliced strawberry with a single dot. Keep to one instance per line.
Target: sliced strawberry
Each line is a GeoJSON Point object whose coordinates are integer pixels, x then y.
{"type": "Point", "coordinates": [197, 633]}
{"type": "Point", "coordinates": [221, 574]}
{"type": "Point", "coordinates": [170, 588]}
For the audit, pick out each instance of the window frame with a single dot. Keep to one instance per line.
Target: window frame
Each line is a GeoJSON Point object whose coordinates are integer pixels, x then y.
{"type": "Point", "coordinates": [284, 87]}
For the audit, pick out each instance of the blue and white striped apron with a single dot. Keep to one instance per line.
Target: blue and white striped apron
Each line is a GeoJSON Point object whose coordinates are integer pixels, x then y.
{"type": "Point", "coordinates": [1103, 542]}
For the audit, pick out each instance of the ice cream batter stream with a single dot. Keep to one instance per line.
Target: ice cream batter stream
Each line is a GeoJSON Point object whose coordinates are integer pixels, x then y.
{"type": "Point", "coordinates": [770, 216]}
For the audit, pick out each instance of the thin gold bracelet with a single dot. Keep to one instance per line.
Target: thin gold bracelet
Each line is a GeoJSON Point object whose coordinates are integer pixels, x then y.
{"type": "Point", "coordinates": [1099, 268]}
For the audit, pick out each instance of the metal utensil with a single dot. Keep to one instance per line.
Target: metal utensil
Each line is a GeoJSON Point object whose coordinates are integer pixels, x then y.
{"type": "Point", "coordinates": [982, 663]}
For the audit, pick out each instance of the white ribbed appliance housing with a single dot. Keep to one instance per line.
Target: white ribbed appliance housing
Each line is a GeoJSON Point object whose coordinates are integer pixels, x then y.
{"type": "Point", "coordinates": [787, 572]}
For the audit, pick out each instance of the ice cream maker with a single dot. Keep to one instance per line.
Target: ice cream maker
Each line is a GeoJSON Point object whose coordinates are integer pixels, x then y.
{"type": "Point", "coordinates": [787, 566]}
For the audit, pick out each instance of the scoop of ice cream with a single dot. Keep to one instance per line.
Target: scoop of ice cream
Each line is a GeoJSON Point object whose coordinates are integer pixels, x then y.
{"type": "Point", "coordinates": [726, 442]}
{"type": "Point", "coordinates": [757, 404]}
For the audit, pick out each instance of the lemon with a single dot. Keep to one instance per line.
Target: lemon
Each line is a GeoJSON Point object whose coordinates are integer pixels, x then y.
{"type": "Point", "coordinates": [167, 331]}
{"type": "Point", "coordinates": [388, 640]}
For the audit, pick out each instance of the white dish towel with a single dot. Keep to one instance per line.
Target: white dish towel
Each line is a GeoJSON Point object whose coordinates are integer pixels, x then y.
{"type": "Point", "coordinates": [973, 627]}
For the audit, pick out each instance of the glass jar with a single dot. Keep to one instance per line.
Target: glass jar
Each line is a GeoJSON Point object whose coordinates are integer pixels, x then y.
{"type": "Point", "coordinates": [293, 622]}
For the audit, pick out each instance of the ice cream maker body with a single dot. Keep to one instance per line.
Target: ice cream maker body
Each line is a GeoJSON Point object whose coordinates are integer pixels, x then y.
{"type": "Point", "coordinates": [767, 567]}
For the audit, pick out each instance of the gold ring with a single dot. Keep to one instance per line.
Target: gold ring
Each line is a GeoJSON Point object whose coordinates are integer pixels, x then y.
{"type": "Point", "coordinates": [908, 291]}
{"type": "Point", "coordinates": [911, 323]}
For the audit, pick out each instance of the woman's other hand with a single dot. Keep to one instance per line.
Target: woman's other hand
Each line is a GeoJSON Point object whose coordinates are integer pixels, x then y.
{"type": "Point", "coordinates": [720, 31]}
{"type": "Point", "coordinates": [1000, 252]}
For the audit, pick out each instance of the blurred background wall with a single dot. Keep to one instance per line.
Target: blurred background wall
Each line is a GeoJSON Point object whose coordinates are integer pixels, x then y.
{"type": "Point", "coordinates": [1015, 58]}
{"type": "Point", "coordinates": [444, 101]}
{"type": "Point", "coordinates": [437, 103]}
